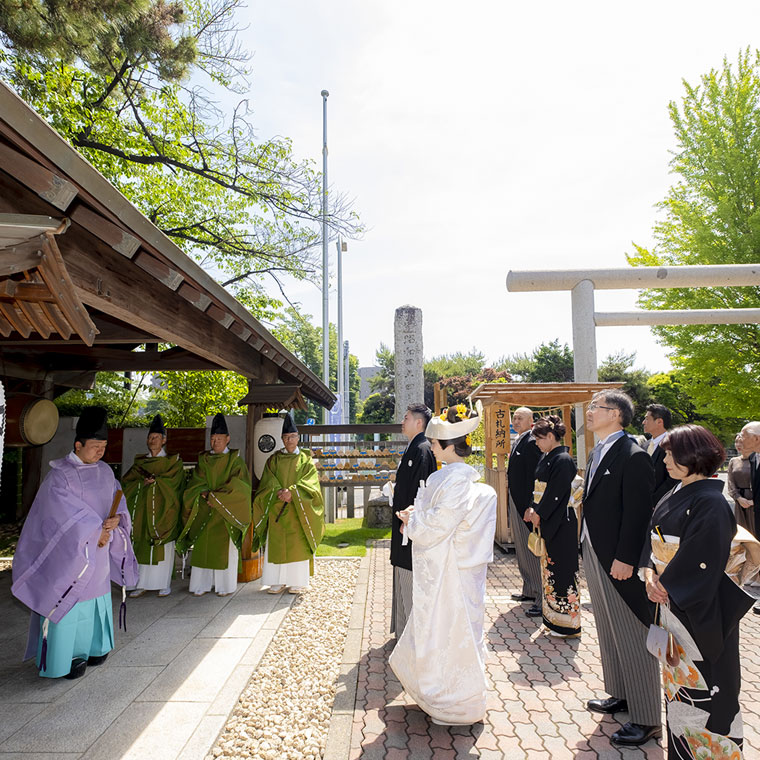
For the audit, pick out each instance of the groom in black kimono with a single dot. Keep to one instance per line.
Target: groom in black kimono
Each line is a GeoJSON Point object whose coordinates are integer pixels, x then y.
{"type": "Point", "coordinates": [416, 464]}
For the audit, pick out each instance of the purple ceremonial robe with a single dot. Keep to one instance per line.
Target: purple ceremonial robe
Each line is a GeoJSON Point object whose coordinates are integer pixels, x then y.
{"type": "Point", "coordinates": [58, 561]}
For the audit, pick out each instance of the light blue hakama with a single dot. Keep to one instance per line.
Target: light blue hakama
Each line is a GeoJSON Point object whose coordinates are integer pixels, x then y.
{"type": "Point", "coordinates": [85, 631]}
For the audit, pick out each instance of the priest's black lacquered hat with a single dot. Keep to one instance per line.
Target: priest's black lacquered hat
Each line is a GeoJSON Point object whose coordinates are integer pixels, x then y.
{"type": "Point", "coordinates": [92, 424]}
{"type": "Point", "coordinates": [288, 425]}
{"type": "Point", "coordinates": [157, 425]}
{"type": "Point", "coordinates": [219, 425]}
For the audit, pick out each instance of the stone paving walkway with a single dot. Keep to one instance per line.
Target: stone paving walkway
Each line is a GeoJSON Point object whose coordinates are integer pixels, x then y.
{"type": "Point", "coordinates": [165, 692]}
{"type": "Point", "coordinates": [539, 688]}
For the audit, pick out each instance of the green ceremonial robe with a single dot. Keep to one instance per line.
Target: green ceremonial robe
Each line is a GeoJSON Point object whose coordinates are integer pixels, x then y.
{"type": "Point", "coordinates": [295, 529]}
{"type": "Point", "coordinates": [209, 526]}
{"type": "Point", "coordinates": [155, 509]}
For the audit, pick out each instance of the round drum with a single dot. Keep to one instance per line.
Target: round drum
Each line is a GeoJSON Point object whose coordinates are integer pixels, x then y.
{"type": "Point", "coordinates": [30, 420]}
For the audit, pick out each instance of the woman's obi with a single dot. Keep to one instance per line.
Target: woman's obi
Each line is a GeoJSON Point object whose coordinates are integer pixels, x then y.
{"type": "Point", "coordinates": [743, 559]}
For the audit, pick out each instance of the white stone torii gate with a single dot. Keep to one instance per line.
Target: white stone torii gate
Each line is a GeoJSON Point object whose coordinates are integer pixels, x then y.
{"type": "Point", "coordinates": [582, 283]}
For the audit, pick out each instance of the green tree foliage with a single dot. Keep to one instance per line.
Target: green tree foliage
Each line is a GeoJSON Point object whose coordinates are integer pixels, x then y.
{"type": "Point", "coordinates": [114, 79]}
{"type": "Point", "coordinates": [98, 32]}
{"type": "Point", "coordinates": [385, 380]}
{"type": "Point", "coordinates": [519, 366]}
{"type": "Point", "coordinates": [450, 365]}
{"type": "Point", "coordinates": [549, 363]}
{"type": "Point", "coordinates": [712, 216]}
{"type": "Point", "coordinates": [666, 388]}
{"type": "Point", "coordinates": [619, 367]}
{"type": "Point", "coordinates": [378, 408]}
{"type": "Point", "coordinates": [670, 389]}
{"type": "Point", "coordinates": [123, 399]}
{"type": "Point", "coordinates": [185, 399]}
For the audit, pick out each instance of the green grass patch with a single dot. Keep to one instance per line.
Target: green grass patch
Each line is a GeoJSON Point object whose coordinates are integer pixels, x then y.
{"type": "Point", "coordinates": [352, 533]}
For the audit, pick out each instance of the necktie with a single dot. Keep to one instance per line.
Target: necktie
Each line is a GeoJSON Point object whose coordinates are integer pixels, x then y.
{"type": "Point", "coordinates": [652, 446]}
{"type": "Point", "coordinates": [596, 453]}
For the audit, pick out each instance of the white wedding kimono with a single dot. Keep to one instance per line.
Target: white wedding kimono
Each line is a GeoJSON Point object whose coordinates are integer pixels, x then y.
{"type": "Point", "coordinates": [440, 657]}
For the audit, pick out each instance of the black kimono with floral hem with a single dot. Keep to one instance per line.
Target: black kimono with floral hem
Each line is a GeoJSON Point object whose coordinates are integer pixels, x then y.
{"type": "Point", "coordinates": [703, 614]}
{"type": "Point", "coordinates": [561, 608]}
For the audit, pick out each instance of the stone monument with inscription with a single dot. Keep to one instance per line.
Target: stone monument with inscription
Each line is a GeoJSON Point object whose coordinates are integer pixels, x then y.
{"type": "Point", "coordinates": [410, 384]}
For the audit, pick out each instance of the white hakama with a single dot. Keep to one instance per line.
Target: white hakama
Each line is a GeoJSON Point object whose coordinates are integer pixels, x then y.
{"type": "Point", "coordinates": [203, 579]}
{"type": "Point", "coordinates": [440, 657]}
{"type": "Point", "coordinates": [287, 574]}
{"type": "Point", "coordinates": [158, 577]}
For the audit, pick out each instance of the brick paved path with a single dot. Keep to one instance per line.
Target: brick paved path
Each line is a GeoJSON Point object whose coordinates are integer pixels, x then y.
{"type": "Point", "coordinates": [539, 688]}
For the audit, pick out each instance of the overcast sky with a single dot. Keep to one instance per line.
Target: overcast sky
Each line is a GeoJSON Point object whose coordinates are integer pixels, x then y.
{"type": "Point", "coordinates": [482, 137]}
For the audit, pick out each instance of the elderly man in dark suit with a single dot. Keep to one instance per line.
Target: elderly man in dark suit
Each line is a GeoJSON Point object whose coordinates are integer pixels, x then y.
{"type": "Point", "coordinates": [416, 464]}
{"type": "Point", "coordinates": [657, 422]}
{"type": "Point", "coordinates": [520, 476]}
{"type": "Point", "coordinates": [617, 506]}
{"type": "Point", "coordinates": [750, 438]}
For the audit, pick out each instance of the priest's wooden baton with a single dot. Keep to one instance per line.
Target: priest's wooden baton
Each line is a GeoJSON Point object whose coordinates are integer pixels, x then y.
{"type": "Point", "coordinates": [114, 507]}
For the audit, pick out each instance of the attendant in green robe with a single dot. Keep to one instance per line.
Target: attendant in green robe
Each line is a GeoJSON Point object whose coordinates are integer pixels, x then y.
{"type": "Point", "coordinates": [289, 515]}
{"type": "Point", "coordinates": [153, 488]}
{"type": "Point", "coordinates": [216, 513]}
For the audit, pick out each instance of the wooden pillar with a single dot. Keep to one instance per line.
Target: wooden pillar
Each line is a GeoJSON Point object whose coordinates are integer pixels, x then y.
{"type": "Point", "coordinates": [251, 560]}
{"type": "Point", "coordinates": [567, 418]}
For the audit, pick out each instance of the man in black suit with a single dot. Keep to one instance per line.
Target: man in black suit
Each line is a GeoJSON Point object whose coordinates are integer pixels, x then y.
{"type": "Point", "coordinates": [657, 422]}
{"type": "Point", "coordinates": [750, 438]}
{"type": "Point", "coordinates": [416, 464]}
{"type": "Point", "coordinates": [520, 471]}
{"type": "Point", "coordinates": [617, 505]}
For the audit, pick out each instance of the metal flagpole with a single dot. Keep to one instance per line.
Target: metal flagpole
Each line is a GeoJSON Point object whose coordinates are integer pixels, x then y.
{"type": "Point", "coordinates": [325, 282]}
{"type": "Point", "coordinates": [346, 385]}
{"type": "Point", "coordinates": [341, 246]}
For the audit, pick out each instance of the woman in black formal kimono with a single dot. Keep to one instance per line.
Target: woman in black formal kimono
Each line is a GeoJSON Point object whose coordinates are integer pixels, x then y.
{"type": "Point", "coordinates": [555, 471]}
{"type": "Point", "coordinates": [691, 532]}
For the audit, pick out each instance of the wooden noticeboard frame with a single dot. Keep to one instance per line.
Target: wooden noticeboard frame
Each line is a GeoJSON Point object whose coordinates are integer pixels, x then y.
{"type": "Point", "coordinates": [498, 400]}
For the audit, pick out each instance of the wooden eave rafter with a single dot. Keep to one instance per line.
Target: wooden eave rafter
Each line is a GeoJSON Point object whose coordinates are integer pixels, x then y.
{"type": "Point", "coordinates": [104, 223]}
{"type": "Point", "coordinates": [40, 298]}
{"type": "Point", "coordinates": [111, 359]}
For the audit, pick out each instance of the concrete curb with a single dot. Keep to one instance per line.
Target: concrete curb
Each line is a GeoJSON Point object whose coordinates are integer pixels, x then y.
{"type": "Point", "coordinates": [338, 745]}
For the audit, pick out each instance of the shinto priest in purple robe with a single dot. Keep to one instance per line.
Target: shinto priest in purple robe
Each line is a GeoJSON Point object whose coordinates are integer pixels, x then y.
{"type": "Point", "coordinates": [60, 572]}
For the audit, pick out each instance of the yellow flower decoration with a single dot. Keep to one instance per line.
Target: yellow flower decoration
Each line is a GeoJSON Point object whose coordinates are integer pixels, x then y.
{"type": "Point", "coordinates": [444, 416]}
{"type": "Point", "coordinates": [462, 411]}
{"type": "Point", "coordinates": [468, 439]}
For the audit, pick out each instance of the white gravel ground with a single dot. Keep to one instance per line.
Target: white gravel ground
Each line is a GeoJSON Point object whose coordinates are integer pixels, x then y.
{"type": "Point", "coordinates": [284, 712]}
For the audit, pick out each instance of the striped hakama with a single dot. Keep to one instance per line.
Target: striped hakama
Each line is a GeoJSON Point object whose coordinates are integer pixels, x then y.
{"type": "Point", "coordinates": [630, 672]}
{"type": "Point", "coordinates": [527, 562]}
{"type": "Point", "coordinates": [401, 605]}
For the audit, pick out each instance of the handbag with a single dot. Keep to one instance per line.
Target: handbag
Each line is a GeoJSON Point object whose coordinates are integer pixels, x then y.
{"type": "Point", "coordinates": [536, 544]}
{"type": "Point", "coordinates": [662, 644]}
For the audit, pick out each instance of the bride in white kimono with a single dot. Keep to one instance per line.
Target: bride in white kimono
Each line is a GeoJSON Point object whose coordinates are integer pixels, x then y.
{"type": "Point", "coordinates": [440, 657]}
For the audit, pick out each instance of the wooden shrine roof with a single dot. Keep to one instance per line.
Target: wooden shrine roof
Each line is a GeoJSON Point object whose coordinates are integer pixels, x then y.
{"type": "Point", "coordinates": [86, 278]}
{"type": "Point", "coordinates": [538, 394]}
{"type": "Point", "coordinates": [279, 396]}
